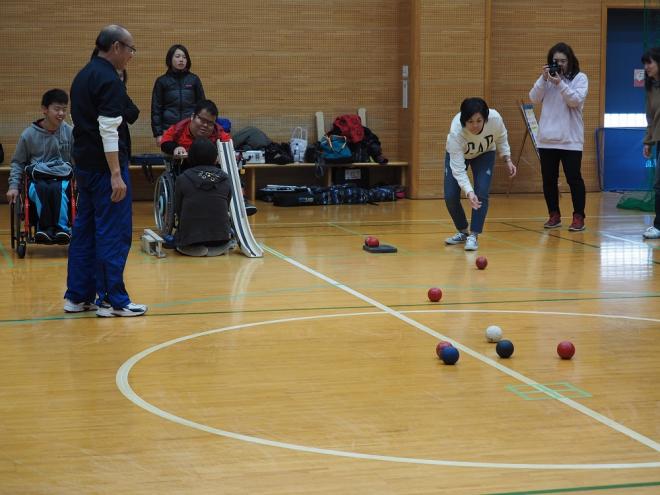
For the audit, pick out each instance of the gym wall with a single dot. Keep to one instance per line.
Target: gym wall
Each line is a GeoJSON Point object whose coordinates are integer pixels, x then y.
{"type": "Point", "coordinates": [273, 64]}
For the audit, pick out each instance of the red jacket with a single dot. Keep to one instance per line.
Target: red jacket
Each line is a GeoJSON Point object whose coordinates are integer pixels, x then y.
{"type": "Point", "coordinates": [179, 134]}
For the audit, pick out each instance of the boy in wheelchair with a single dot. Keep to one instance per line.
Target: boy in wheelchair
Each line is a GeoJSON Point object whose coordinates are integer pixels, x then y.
{"type": "Point", "coordinates": [44, 152]}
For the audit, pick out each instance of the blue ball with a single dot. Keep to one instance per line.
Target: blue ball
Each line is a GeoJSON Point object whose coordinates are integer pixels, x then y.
{"type": "Point", "coordinates": [449, 355]}
{"type": "Point", "coordinates": [504, 348]}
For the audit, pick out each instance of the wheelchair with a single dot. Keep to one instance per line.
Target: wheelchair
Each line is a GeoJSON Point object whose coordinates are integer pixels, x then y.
{"type": "Point", "coordinates": [24, 220]}
{"type": "Point", "coordinates": [164, 208]}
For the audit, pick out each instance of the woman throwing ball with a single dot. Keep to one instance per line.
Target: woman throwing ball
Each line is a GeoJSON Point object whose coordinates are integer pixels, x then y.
{"type": "Point", "coordinates": [474, 136]}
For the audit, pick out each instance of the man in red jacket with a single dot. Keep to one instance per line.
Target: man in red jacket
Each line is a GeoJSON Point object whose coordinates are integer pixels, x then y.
{"type": "Point", "coordinates": [201, 124]}
{"type": "Point", "coordinates": [178, 138]}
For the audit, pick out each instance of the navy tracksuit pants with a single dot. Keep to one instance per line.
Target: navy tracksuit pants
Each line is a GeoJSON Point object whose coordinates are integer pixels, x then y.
{"type": "Point", "coordinates": [101, 240]}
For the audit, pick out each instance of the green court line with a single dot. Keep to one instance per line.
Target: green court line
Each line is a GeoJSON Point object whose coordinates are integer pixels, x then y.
{"type": "Point", "coordinates": [91, 314]}
{"type": "Point", "coordinates": [552, 234]}
{"type": "Point", "coordinates": [288, 309]}
{"type": "Point", "coordinates": [581, 489]}
{"type": "Point", "coordinates": [5, 255]}
{"type": "Point", "coordinates": [337, 226]}
{"type": "Point", "coordinates": [545, 391]}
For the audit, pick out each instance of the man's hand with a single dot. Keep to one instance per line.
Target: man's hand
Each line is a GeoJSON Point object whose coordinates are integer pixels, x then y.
{"type": "Point", "coordinates": [12, 196]}
{"type": "Point", "coordinates": [474, 201]}
{"type": "Point", "coordinates": [118, 188]}
{"type": "Point", "coordinates": [180, 152]}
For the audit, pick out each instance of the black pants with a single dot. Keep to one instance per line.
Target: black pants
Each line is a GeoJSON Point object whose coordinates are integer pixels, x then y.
{"type": "Point", "coordinates": [571, 162]}
{"type": "Point", "coordinates": [49, 193]}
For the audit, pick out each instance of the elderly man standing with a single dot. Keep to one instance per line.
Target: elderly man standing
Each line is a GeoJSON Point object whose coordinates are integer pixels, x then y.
{"type": "Point", "coordinates": [102, 231]}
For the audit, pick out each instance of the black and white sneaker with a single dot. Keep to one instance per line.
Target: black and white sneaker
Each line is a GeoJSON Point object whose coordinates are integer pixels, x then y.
{"type": "Point", "coordinates": [42, 237]}
{"type": "Point", "coordinates": [72, 307]}
{"type": "Point", "coordinates": [62, 237]}
{"type": "Point", "coordinates": [131, 309]}
{"type": "Point", "coordinates": [250, 209]}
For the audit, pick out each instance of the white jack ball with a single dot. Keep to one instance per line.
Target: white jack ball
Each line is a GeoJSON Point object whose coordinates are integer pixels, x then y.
{"type": "Point", "coordinates": [493, 333]}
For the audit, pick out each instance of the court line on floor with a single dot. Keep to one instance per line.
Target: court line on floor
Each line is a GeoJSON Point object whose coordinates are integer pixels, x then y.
{"type": "Point", "coordinates": [581, 489]}
{"type": "Point", "coordinates": [514, 374]}
{"type": "Point", "coordinates": [125, 388]}
{"type": "Point", "coordinates": [5, 255]}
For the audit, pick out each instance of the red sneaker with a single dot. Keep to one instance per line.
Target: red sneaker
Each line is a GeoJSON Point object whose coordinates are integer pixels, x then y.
{"type": "Point", "coordinates": [554, 221]}
{"type": "Point", "coordinates": [578, 223]}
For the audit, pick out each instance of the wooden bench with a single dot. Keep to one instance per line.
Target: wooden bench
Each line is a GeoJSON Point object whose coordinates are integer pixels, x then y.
{"type": "Point", "coordinates": [142, 190]}
{"type": "Point", "coordinates": [250, 172]}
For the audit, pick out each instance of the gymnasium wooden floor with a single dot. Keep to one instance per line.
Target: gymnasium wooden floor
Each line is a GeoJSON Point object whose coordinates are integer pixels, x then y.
{"type": "Point", "coordinates": [313, 370]}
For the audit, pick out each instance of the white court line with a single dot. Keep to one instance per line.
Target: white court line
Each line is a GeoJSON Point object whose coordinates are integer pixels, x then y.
{"type": "Point", "coordinates": [129, 393]}
{"type": "Point", "coordinates": [514, 374]}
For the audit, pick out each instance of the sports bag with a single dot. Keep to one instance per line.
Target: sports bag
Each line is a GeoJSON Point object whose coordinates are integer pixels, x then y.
{"type": "Point", "coordinates": [334, 149]}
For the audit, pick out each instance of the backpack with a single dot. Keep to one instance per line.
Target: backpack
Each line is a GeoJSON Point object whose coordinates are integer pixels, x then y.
{"type": "Point", "coordinates": [350, 125]}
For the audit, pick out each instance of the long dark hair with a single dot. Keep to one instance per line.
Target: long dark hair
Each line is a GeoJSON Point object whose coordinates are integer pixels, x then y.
{"type": "Point", "coordinates": [573, 66]}
{"type": "Point", "coordinates": [652, 54]}
{"type": "Point", "coordinates": [170, 54]}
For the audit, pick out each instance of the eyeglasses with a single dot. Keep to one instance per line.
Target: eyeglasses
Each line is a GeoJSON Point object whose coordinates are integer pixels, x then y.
{"type": "Point", "coordinates": [206, 122]}
{"type": "Point", "coordinates": [131, 48]}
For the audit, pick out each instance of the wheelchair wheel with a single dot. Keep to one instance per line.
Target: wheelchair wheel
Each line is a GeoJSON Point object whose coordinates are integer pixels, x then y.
{"type": "Point", "coordinates": [164, 203]}
{"type": "Point", "coordinates": [17, 235]}
{"type": "Point", "coordinates": [12, 215]}
{"type": "Point", "coordinates": [21, 249]}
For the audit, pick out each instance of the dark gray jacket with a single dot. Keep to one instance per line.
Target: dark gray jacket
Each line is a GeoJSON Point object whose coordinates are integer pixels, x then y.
{"type": "Point", "coordinates": [173, 99]}
{"type": "Point", "coordinates": [201, 199]}
{"type": "Point", "coordinates": [37, 145]}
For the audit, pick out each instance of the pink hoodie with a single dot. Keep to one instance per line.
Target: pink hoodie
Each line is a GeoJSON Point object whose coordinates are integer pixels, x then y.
{"type": "Point", "coordinates": [561, 125]}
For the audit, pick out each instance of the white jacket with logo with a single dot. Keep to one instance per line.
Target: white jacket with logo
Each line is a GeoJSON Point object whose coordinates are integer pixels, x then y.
{"type": "Point", "coordinates": [463, 145]}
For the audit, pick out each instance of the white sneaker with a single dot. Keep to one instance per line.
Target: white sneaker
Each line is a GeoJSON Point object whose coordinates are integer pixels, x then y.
{"type": "Point", "coordinates": [651, 233]}
{"type": "Point", "coordinates": [130, 310]}
{"type": "Point", "coordinates": [471, 243]}
{"type": "Point", "coordinates": [457, 238]}
{"type": "Point", "coordinates": [71, 307]}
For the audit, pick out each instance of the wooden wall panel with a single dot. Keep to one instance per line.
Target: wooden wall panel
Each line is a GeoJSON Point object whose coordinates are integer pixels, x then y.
{"type": "Point", "coordinates": [269, 64]}
{"type": "Point", "coordinates": [451, 60]}
{"type": "Point", "coordinates": [273, 64]}
{"type": "Point", "coordinates": [523, 32]}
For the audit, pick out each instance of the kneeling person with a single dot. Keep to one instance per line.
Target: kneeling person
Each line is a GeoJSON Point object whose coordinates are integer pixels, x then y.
{"type": "Point", "coordinates": [202, 195]}
{"type": "Point", "coordinates": [44, 151]}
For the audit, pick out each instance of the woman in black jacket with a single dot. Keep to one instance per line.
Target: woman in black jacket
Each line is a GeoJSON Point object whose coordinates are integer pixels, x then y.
{"type": "Point", "coordinates": [175, 93]}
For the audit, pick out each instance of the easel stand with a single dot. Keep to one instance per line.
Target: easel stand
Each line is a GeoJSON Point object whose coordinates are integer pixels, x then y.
{"type": "Point", "coordinates": [531, 129]}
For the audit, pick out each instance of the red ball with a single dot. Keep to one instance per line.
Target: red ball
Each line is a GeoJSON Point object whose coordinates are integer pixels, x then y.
{"type": "Point", "coordinates": [481, 262]}
{"type": "Point", "coordinates": [372, 241]}
{"type": "Point", "coordinates": [441, 345]}
{"type": "Point", "coordinates": [434, 294]}
{"type": "Point", "coordinates": [566, 349]}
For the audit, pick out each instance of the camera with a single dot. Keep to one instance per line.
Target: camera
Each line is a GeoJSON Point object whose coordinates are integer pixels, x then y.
{"type": "Point", "coordinates": [554, 69]}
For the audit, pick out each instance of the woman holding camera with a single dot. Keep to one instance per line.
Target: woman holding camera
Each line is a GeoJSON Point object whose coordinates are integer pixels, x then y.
{"type": "Point", "coordinates": [562, 89]}
{"type": "Point", "coordinates": [651, 61]}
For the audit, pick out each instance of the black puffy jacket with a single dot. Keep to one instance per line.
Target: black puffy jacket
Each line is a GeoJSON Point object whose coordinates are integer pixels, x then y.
{"type": "Point", "coordinates": [201, 200]}
{"type": "Point", "coordinates": [173, 99]}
